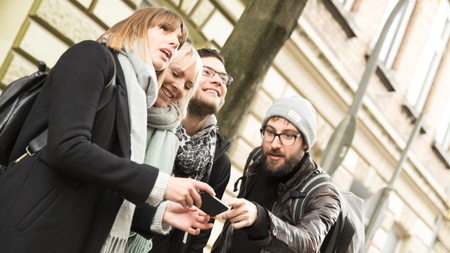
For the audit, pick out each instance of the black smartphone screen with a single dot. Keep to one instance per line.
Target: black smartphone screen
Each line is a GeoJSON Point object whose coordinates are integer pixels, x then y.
{"type": "Point", "coordinates": [212, 205]}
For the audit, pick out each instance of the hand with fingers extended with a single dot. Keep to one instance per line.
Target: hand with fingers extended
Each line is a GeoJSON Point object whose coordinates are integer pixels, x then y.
{"type": "Point", "coordinates": [185, 191]}
{"type": "Point", "coordinates": [243, 213]}
{"type": "Point", "coordinates": [188, 219]}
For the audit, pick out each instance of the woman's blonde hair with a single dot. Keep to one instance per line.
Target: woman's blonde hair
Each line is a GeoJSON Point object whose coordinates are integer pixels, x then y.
{"type": "Point", "coordinates": [186, 57]}
{"type": "Point", "coordinates": [136, 27]}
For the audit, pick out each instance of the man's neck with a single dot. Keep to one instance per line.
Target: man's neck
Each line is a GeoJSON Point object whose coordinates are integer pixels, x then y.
{"type": "Point", "coordinates": [193, 124]}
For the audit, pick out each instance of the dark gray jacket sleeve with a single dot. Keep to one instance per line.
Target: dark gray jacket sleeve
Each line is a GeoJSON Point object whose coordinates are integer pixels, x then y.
{"type": "Point", "coordinates": [321, 212]}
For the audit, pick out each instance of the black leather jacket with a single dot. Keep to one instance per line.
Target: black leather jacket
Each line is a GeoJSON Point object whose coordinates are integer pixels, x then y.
{"type": "Point", "coordinates": [306, 235]}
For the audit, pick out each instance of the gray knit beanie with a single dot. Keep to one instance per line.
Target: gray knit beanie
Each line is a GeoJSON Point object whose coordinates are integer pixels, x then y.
{"type": "Point", "coordinates": [299, 112]}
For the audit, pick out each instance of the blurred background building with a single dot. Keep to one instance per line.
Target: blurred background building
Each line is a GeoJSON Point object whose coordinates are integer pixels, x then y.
{"type": "Point", "coordinates": [324, 60]}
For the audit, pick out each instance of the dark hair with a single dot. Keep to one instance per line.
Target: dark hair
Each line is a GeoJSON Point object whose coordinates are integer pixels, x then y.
{"type": "Point", "coordinates": [210, 52]}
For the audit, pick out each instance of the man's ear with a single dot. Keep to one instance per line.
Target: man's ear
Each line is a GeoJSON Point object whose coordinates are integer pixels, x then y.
{"type": "Point", "coordinates": [305, 147]}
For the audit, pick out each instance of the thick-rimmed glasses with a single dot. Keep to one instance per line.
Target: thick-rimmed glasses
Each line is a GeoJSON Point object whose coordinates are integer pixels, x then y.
{"type": "Point", "coordinates": [210, 72]}
{"type": "Point", "coordinates": [287, 139]}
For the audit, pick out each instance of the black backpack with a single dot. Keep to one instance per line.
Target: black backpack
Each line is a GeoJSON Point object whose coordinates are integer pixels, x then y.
{"type": "Point", "coordinates": [347, 234]}
{"type": "Point", "coordinates": [16, 101]}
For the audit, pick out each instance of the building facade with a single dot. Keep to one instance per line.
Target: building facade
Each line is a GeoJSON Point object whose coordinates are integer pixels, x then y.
{"type": "Point", "coordinates": [324, 61]}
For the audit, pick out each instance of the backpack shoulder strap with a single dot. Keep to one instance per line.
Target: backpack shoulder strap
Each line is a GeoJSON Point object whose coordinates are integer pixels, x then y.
{"type": "Point", "coordinates": [314, 182]}
{"type": "Point", "coordinates": [108, 90]}
{"type": "Point", "coordinates": [252, 157]}
{"type": "Point", "coordinates": [312, 185]}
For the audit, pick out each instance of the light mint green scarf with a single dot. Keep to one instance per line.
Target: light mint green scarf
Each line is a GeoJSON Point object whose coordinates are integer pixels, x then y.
{"type": "Point", "coordinates": [162, 146]}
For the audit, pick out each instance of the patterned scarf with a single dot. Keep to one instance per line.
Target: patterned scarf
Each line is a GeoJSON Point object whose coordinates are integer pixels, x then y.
{"type": "Point", "coordinates": [196, 153]}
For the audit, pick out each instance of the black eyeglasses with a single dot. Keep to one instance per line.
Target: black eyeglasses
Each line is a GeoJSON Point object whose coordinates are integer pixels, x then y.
{"type": "Point", "coordinates": [209, 72]}
{"type": "Point", "coordinates": [287, 139]}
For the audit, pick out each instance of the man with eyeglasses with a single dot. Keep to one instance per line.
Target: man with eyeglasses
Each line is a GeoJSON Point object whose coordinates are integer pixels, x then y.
{"type": "Point", "coordinates": [202, 152]}
{"type": "Point", "coordinates": [262, 219]}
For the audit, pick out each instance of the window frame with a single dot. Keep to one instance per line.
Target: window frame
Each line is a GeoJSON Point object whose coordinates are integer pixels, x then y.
{"type": "Point", "coordinates": [342, 14]}
{"type": "Point", "coordinates": [430, 60]}
{"type": "Point", "coordinates": [346, 4]}
{"type": "Point", "coordinates": [384, 67]}
{"type": "Point", "coordinates": [396, 32]}
{"type": "Point", "coordinates": [394, 240]}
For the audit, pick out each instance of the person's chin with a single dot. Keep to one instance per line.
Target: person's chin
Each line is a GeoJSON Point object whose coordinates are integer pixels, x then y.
{"type": "Point", "coordinates": [159, 103]}
{"type": "Point", "coordinates": [273, 172]}
{"type": "Point", "coordinates": [272, 166]}
{"type": "Point", "coordinates": [210, 102]}
{"type": "Point", "coordinates": [160, 64]}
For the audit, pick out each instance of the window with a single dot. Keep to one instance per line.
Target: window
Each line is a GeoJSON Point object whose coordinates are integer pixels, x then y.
{"type": "Point", "coordinates": [443, 132]}
{"type": "Point", "coordinates": [442, 138]}
{"type": "Point", "coordinates": [393, 242]}
{"type": "Point", "coordinates": [430, 59]}
{"type": "Point", "coordinates": [396, 31]}
{"type": "Point", "coordinates": [392, 42]}
{"type": "Point", "coordinates": [340, 10]}
{"type": "Point", "coordinates": [346, 4]}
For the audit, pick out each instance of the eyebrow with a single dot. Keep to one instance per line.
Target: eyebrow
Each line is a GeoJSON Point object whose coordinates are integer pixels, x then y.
{"type": "Point", "coordinates": [182, 73]}
{"type": "Point", "coordinates": [177, 69]}
{"type": "Point", "coordinates": [284, 130]}
{"type": "Point", "coordinates": [215, 70]}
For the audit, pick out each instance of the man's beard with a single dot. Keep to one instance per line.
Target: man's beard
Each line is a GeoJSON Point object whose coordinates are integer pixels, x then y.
{"type": "Point", "coordinates": [284, 169]}
{"type": "Point", "coordinates": [202, 108]}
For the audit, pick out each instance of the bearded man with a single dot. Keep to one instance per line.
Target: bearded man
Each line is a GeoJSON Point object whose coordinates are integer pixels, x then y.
{"type": "Point", "coordinates": [261, 218]}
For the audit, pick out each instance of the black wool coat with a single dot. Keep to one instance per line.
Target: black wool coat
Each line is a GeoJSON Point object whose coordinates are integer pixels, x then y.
{"type": "Point", "coordinates": [65, 198]}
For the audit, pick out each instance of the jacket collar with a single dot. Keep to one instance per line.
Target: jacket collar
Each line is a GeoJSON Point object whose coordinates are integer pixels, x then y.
{"type": "Point", "coordinates": [303, 170]}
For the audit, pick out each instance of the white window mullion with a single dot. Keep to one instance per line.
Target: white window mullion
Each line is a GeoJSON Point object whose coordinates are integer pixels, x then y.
{"type": "Point", "coordinates": [347, 4]}
{"type": "Point", "coordinates": [430, 59]}
{"type": "Point", "coordinates": [396, 32]}
{"type": "Point", "coordinates": [443, 131]}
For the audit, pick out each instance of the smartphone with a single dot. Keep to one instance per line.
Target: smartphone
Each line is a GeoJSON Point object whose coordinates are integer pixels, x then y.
{"type": "Point", "coordinates": [212, 205]}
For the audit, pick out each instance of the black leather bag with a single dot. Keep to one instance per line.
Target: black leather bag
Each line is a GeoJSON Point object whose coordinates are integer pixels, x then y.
{"type": "Point", "coordinates": [16, 101]}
